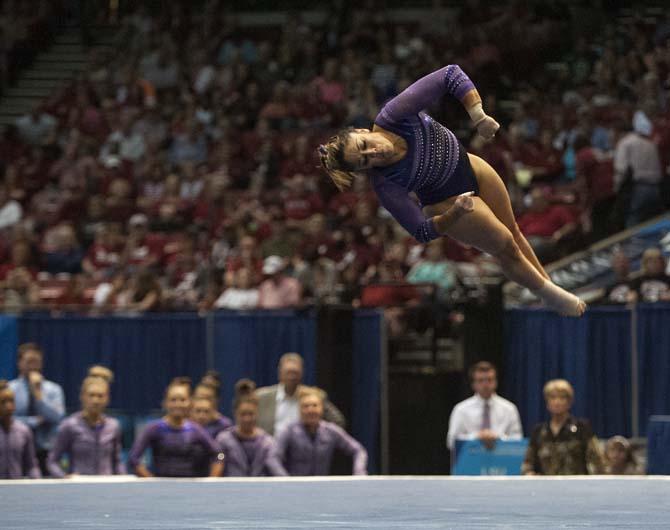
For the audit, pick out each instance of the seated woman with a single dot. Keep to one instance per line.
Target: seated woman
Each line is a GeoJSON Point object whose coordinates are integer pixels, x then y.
{"type": "Point", "coordinates": [17, 448]}
{"type": "Point", "coordinates": [91, 440]}
{"type": "Point", "coordinates": [176, 442]}
{"type": "Point", "coordinates": [246, 446]}
{"type": "Point", "coordinates": [619, 458]}
{"type": "Point", "coordinates": [564, 445]}
{"type": "Point", "coordinates": [306, 447]}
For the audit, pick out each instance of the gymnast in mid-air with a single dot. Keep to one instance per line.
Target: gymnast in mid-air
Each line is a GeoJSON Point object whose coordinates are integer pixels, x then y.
{"type": "Point", "coordinates": [460, 194]}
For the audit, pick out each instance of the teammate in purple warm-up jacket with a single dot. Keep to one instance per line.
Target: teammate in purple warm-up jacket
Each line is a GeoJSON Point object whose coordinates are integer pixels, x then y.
{"type": "Point", "coordinates": [17, 447]}
{"type": "Point", "coordinates": [306, 448]}
{"type": "Point", "coordinates": [90, 439]}
{"type": "Point", "coordinates": [459, 194]}
{"type": "Point", "coordinates": [248, 449]}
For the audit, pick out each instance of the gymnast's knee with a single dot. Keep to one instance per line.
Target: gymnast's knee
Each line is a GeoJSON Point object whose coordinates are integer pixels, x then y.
{"type": "Point", "coordinates": [509, 250]}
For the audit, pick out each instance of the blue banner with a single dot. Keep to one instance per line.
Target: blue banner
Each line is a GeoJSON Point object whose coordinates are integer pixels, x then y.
{"type": "Point", "coordinates": [366, 383]}
{"type": "Point", "coordinates": [249, 344]}
{"type": "Point", "coordinates": [658, 442]}
{"type": "Point", "coordinates": [475, 459]}
{"type": "Point", "coordinates": [592, 352]}
{"type": "Point", "coordinates": [8, 344]}
{"type": "Point", "coordinates": [144, 353]}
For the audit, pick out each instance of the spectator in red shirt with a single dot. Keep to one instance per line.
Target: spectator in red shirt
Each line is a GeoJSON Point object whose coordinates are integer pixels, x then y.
{"type": "Point", "coordinates": [546, 225]}
{"type": "Point", "coordinates": [143, 249]}
{"type": "Point", "coordinates": [21, 258]}
{"type": "Point", "coordinates": [299, 201]}
{"type": "Point", "coordinates": [119, 203]}
{"type": "Point", "coordinates": [74, 294]}
{"type": "Point", "coordinates": [103, 256]}
{"type": "Point", "coordinates": [300, 158]}
{"type": "Point", "coordinates": [211, 209]}
{"type": "Point", "coordinates": [595, 176]}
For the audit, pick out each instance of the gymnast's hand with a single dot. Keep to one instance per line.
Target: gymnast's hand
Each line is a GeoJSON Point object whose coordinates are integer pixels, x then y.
{"type": "Point", "coordinates": [464, 204]}
{"type": "Point", "coordinates": [487, 128]}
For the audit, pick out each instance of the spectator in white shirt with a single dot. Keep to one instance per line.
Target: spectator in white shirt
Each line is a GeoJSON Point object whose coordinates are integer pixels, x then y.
{"type": "Point", "coordinates": [485, 416]}
{"type": "Point", "coordinates": [278, 405]}
{"type": "Point", "coordinates": [636, 156]}
{"type": "Point", "coordinates": [242, 294]}
{"type": "Point", "coordinates": [124, 142]}
{"type": "Point", "coordinates": [10, 210]}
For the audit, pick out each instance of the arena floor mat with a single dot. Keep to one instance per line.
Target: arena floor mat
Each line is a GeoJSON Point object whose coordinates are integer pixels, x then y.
{"type": "Point", "coordinates": [407, 503]}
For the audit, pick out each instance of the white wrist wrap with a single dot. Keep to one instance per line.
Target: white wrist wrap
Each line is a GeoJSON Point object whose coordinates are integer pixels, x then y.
{"type": "Point", "coordinates": [477, 114]}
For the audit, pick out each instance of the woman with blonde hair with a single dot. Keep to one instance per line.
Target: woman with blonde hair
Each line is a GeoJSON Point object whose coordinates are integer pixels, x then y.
{"type": "Point", "coordinates": [564, 445]}
{"type": "Point", "coordinates": [91, 439]}
{"type": "Point", "coordinates": [306, 447]}
{"type": "Point", "coordinates": [461, 195]}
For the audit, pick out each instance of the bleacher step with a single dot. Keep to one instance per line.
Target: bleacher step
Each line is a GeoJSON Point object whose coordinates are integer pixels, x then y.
{"type": "Point", "coordinates": [48, 74]}
{"type": "Point", "coordinates": [34, 92]}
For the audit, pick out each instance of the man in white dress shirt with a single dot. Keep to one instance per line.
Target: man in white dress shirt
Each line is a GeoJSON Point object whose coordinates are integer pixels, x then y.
{"type": "Point", "coordinates": [278, 405]}
{"type": "Point", "coordinates": [485, 416]}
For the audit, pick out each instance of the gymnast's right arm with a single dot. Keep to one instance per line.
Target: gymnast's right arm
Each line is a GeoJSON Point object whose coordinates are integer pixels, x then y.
{"type": "Point", "coordinates": [135, 456]}
{"type": "Point", "coordinates": [395, 199]}
{"type": "Point", "coordinates": [424, 92]}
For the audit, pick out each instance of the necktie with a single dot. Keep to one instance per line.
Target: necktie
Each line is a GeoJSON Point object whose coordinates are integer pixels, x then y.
{"type": "Point", "coordinates": [32, 409]}
{"type": "Point", "coordinates": [486, 416]}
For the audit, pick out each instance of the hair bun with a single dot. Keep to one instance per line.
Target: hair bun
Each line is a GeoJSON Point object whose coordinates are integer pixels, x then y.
{"type": "Point", "coordinates": [181, 380]}
{"type": "Point", "coordinates": [102, 372]}
{"type": "Point", "coordinates": [244, 387]}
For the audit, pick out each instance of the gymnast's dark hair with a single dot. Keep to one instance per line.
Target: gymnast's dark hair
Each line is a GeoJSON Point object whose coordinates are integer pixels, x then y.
{"type": "Point", "coordinates": [212, 379]}
{"type": "Point", "coordinates": [331, 154]}
{"type": "Point", "coordinates": [179, 381]}
{"type": "Point", "coordinates": [245, 392]}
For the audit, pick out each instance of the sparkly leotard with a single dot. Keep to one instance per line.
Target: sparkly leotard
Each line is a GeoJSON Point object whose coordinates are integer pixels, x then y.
{"type": "Point", "coordinates": [436, 166]}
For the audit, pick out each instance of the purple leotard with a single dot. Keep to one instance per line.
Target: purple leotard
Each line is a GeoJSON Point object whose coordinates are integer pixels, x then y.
{"type": "Point", "coordinates": [436, 166]}
{"type": "Point", "coordinates": [218, 425]}
{"type": "Point", "coordinates": [176, 452]}
{"type": "Point", "coordinates": [248, 457]}
{"type": "Point", "coordinates": [17, 452]}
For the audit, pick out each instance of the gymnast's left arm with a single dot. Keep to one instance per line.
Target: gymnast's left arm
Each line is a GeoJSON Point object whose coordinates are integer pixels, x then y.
{"type": "Point", "coordinates": [395, 199]}
{"type": "Point", "coordinates": [353, 448]}
{"type": "Point", "coordinates": [430, 88]}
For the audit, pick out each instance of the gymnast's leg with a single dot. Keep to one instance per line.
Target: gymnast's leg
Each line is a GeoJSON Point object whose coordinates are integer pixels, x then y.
{"type": "Point", "coordinates": [483, 230]}
{"type": "Point", "coordinates": [494, 193]}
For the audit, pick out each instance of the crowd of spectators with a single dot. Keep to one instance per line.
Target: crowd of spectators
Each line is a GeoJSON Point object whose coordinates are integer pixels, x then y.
{"type": "Point", "coordinates": [651, 283]}
{"type": "Point", "coordinates": [178, 171]}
